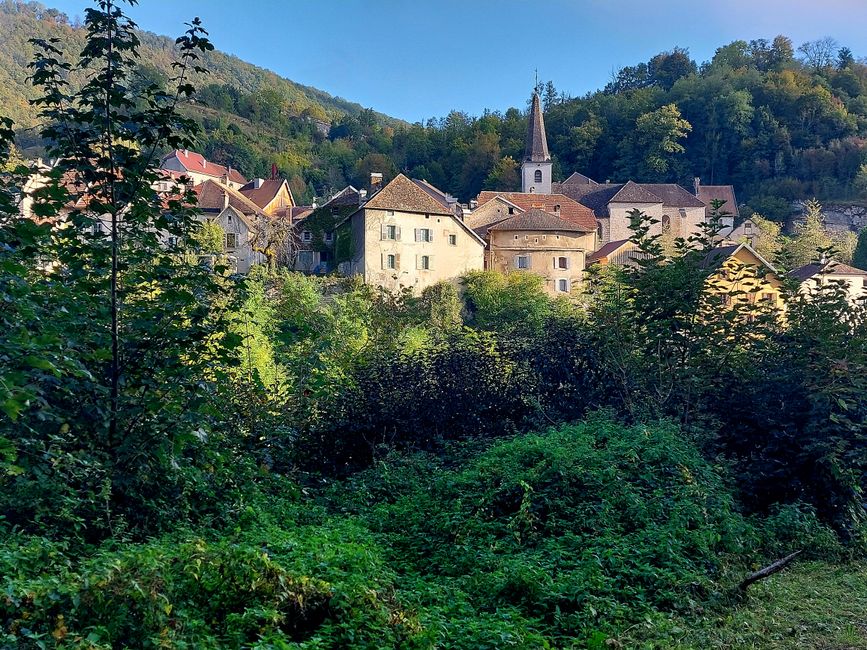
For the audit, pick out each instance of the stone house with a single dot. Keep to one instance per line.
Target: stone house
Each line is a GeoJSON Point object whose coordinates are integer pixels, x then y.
{"type": "Point", "coordinates": [677, 212]}
{"type": "Point", "coordinates": [403, 237]}
{"type": "Point", "coordinates": [539, 242]}
{"type": "Point", "coordinates": [241, 220]}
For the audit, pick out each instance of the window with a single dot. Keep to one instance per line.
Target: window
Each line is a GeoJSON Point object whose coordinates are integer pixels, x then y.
{"type": "Point", "coordinates": [231, 240]}
{"type": "Point", "coordinates": [511, 210]}
{"type": "Point", "coordinates": [562, 263]}
{"type": "Point", "coordinates": [305, 259]}
{"type": "Point", "coordinates": [329, 237]}
{"type": "Point", "coordinates": [522, 262]}
{"type": "Point", "coordinates": [768, 297]}
{"type": "Point", "coordinates": [537, 177]}
{"type": "Point", "coordinates": [390, 262]}
{"type": "Point", "coordinates": [562, 284]}
{"type": "Point", "coordinates": [453, 240]}
{"type": "Point", "coordinates": [666, 223]}
{"type": "Point", "coordinates": [424, 234]}
{"type": "Point", "coordinates": [390, 232]}
{"type": "Point", "coordinates": [557, 208]}
{"type": "Point", "coordinates": [306, 236]}
{"type": "Point", "coordinates": [424, 262]}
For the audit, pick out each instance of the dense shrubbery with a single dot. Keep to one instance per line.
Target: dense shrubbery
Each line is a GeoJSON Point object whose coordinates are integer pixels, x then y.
{"type": "Point", "coordinates": [190, 459]}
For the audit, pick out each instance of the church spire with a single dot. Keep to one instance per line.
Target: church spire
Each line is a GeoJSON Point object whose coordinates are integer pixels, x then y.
{"type": "Point", "coordinates": [536, 147]}
{"type": "Point", "coordinates": [537, 166]}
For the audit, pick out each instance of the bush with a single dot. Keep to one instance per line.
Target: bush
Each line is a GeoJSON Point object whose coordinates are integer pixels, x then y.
{"type": "Point", "coordinates": [579, 529]}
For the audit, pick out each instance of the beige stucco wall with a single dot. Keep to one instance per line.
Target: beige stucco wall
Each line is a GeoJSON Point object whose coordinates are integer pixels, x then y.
{"type": "Point", "coordinates": [682, 224]}
{"type": "Point", "coordinates": [543, 250]}
{"type": "Point", "coordinates": [854, 284]}
{"type": "Point", "coordinates": [448, 262]}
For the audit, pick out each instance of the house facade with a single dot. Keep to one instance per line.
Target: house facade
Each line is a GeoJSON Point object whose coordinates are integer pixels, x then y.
{"type": "Point", "coordinates": [741, 275]}
{"type": "Point", "coordinates": [272, 196]}
{"type": "Point", "coordinates": [677, 212]}
{"type": "Point", "coordinates": [403, 237]}
{"type": "Point", "coordinates": [242, 222]}
{"type": "Point", "coordinates": [821, 274]}
{"type": "Point", "coordinates": [543, 243]}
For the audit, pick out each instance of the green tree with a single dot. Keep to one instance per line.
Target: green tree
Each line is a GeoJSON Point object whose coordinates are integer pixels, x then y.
{"type": "Point", "coordinates": [656, 144]}
{"type": "Point", "coordinates": [504, 176]}
{"type": "Point", "coordinates": [810, 237]}
{"type": "Point", "coordinates": [769, 240]}
{"type": "Point", "coordinates": [104, 439]}
{"type": "Point", "coordinates": [859, 257]}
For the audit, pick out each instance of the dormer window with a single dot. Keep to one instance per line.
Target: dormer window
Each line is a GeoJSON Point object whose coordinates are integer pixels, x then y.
{"type": "Point", "coordinates": [511, 210]}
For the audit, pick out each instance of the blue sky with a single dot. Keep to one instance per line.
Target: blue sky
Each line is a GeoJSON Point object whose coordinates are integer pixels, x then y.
{"type": "Point", "coordinates": [416, 59]}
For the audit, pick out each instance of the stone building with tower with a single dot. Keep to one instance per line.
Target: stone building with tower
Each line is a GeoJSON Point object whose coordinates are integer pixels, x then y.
{"type": "Point", "coordinates": [537, 167]}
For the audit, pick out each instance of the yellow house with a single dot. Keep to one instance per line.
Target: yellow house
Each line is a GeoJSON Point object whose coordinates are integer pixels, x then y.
{"type": "Point", "coordinates": [742, 276]}
{"type": "Point", "coordinates": [404, 237]}
{"type": "Point", "coordinates": [540, 242]}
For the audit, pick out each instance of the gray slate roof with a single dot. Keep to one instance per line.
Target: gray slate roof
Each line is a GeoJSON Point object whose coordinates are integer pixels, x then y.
{"type": "Point", "coordinates": [536, 146]}
{"type": "Point", "coordinates": [536, 219]}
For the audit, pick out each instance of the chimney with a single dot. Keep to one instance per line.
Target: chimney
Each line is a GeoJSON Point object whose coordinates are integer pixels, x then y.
{"type": "Point", "coordinates": [362, 197]}
{"type": "Point", "coordinates": [474, 204]}
{"type": "Point", "coordinates": [225, 199]}
{"type": "Point", "coordinates": [696, 183]}
{"type": "Point", "coordinates": [375, 181]}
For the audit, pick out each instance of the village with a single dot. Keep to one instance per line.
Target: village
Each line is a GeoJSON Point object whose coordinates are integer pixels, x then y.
{"type": "Point", "coordinates": [406, 234]}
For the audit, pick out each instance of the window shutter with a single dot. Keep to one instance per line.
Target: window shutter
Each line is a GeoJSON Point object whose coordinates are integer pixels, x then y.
{"type": "Point", "coordinates": [382, 260]}
{"type": "Point", "coordinates": [430, 262]}
{"type": "Point", "coordinates": [555, 262]}
{"type": "Point", "coordinates": [397, 233]}
{"type": "Point", "coordinates": [417, 262]}
{"type": "Point", "coordinates": [383, 231]}
{"type": "Point", "coordinates": [430, 234]}
{"type": "Point", "coordinates": [396, 261]}
{"type": "Point", "coordinates": [417, 234]}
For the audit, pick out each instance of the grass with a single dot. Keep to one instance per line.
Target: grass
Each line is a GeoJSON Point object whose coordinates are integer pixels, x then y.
{"type": "Point", "coordinates": [811, 605]}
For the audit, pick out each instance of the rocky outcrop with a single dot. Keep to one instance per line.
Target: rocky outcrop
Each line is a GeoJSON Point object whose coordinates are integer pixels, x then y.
{"type": "Point", "coordinates": [838, 216]}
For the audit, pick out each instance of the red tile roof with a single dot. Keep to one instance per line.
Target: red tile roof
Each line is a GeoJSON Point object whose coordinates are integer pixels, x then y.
{"type": "Point", "coordinates": [569, 209]}
{"type": "Point", "coordinates": [195, 162]}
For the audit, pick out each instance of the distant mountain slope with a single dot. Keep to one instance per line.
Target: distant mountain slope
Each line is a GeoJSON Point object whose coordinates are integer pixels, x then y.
{"type": "Point", "coordinates": [21, 21]}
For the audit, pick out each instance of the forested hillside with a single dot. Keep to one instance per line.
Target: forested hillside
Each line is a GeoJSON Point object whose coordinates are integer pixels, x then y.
{"type": "Point", "coordinates": [194, 458]}
{"type": "Point", "coordinates": [778, 121]}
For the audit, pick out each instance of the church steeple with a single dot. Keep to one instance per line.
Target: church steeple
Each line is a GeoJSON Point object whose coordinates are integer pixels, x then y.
{"type": "Point", "coordinates": [536, 167]}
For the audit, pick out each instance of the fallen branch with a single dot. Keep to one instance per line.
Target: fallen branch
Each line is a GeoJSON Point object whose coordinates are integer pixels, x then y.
{"type": "Point", "coordinates": [769, 570]}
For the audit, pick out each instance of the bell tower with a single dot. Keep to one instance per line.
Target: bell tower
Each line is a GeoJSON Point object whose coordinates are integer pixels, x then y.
{"type": "Point", "coordinates": [536, 168]}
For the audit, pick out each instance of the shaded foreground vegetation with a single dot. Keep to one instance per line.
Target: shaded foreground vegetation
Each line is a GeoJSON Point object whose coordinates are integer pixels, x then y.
{"type": "Point", "coordinates": [194, 459]}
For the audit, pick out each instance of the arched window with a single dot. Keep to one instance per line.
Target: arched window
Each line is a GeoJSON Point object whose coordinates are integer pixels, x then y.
{"type": "Point", "coordinates": [538, 176]}
{"type": "Point", "coordinates": [666, 223]}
